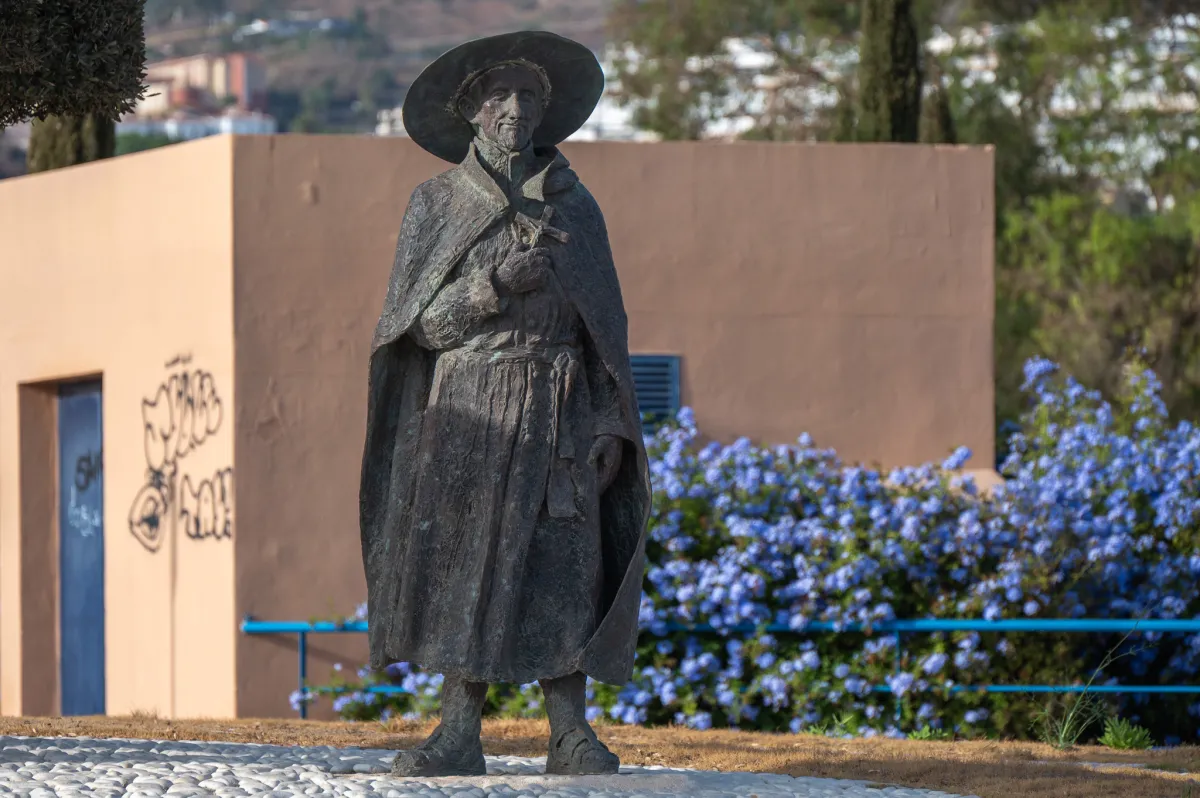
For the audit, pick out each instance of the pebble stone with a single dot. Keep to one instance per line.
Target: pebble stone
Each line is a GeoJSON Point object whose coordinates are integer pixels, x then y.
{"type": "Point", "coordinates": [82, 767]}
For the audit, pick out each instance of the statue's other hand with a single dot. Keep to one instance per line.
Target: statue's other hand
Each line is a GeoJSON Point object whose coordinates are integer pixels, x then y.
{"type": "Point", "coordinates": [606, 459]}
{"type": "Point", "coordinates": [524, 270]}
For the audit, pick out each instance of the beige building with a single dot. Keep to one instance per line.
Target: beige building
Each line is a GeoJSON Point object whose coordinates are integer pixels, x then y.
{"type": "Point", "coordinates": [183, 343]}
{"type": "Point", "coordinates": [205, 81]}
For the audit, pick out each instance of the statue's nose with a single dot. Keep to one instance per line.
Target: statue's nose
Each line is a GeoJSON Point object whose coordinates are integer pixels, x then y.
{"type": "Point", "coordinates": [512, 107]}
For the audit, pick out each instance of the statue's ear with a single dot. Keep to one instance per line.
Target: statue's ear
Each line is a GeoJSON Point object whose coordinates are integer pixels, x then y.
{"type": "Point", "coordinates": [466, 107]}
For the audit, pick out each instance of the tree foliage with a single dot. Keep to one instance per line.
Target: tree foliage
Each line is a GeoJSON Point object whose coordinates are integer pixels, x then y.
{"type": "Point", "coordinates": [70, 57]}
{"type": "Point", "coordinates": [679, 77]}
{"type": "Point", "coordinates": [1100, 282]}
{"type": "Point", "coordinates": [1096, 167]}
{"type": "Point", "coordinates": [676, 72]}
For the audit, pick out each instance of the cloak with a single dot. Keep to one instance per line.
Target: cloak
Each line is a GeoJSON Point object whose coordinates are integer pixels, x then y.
{"type": "Point", "coordinates": [446, 216]}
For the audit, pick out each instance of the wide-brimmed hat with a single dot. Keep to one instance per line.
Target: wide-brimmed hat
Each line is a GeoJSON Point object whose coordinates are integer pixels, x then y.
{"type": "Point", "coordinates": [575, 77]}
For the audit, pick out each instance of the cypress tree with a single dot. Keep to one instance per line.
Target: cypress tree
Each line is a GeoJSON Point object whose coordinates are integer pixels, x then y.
{"type": "Point", "coordinates": [70, 57]}
{"type": "Point", "coordinates": [889, 84]}
{"type": "Point", "coordinates": [58, 141]}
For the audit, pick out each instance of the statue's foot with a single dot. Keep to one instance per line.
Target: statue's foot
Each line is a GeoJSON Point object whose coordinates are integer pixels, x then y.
{"type": "Point", "coordinates": [577, 752]}
{"type": "Point", "coordinates": [443, 754]}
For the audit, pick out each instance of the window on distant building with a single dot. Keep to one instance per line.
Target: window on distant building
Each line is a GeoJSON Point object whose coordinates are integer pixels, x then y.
{"type": "Point", "coordinates": [656, 382]}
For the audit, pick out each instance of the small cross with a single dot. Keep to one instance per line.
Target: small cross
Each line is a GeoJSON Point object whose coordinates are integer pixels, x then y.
{"type": "Point", "coordinates": [536, 228]}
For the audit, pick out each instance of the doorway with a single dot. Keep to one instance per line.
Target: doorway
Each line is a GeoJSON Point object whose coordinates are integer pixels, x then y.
{"type": "Point", "coordinates": [81, 548]}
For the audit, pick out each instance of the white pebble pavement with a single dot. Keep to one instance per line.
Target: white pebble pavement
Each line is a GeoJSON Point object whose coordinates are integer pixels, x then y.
{"type": "Point", "coordinates": [47, 767]}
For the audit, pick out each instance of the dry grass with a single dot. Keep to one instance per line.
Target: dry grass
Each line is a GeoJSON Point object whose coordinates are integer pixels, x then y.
{"type": "Point", "coordinates": [986, 769]}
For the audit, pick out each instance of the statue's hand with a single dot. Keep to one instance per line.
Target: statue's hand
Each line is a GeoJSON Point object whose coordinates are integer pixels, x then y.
{"type": "Point", "coordinates": [523, 270]}
{"type": "Point", "coordinates": [606, 459]}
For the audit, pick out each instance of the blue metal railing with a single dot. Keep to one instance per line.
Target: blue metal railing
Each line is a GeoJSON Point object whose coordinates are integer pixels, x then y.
{"type": "Point", "coordinates": [895, 628]}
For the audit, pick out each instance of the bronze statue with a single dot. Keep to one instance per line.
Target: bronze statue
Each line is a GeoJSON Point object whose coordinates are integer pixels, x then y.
{"type": "Point", "coordinates": [505, 489]}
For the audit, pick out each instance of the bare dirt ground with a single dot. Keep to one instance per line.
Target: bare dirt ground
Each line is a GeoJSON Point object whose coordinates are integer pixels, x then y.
{"type": "Point", "coordinates": [985, 769]}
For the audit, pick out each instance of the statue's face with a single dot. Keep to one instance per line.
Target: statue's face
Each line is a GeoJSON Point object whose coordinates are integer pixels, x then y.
{"type": "Point", "coordinates": [505, 106]}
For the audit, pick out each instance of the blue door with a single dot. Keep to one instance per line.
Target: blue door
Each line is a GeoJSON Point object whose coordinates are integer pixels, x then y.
{"type": "Point", "coordinates": [81, 548]}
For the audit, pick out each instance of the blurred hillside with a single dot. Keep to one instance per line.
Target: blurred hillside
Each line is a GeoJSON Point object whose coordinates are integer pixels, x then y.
{"type": "Point", "coordinates": [333, 63]}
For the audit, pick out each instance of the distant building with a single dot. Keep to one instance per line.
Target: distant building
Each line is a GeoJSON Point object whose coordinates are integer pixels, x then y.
{"type": "Point", "coordinates": [183, 126]}
{"type": "Point", "coordinates": [389, 123]}
{"type": "Point", "coordinates": [610, 122]}
{"type": "Point", "coordinates": [205, 83]}
{"type": "Point", "coordinates": [203, 95]}
{"type": "Point", "coordinates": [298, 23]}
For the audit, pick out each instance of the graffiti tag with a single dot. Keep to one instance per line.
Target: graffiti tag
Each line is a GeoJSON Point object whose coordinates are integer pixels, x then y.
{"type": "Point", "coordinates": [183, 413]}
{"type": "Point", "coordinates": [88, 468]}
{"type": "Point", "coordinates": [204, 509]}
{"type": "Point", "coordinates": [87, 521]}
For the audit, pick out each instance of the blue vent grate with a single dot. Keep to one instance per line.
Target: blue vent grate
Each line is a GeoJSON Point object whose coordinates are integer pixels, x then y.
{"type": "Point", "coordinates": [656, 381]}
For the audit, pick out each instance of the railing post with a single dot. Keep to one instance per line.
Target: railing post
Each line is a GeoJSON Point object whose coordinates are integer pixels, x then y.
{"type": "Point", "coordinates": [302, 650]}
{"type": "Point", "coordinates": [899, 663]}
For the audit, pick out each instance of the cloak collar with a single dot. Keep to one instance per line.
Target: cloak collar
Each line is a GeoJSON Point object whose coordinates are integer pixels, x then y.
{"type": "Point", "coordinates": [550, 176]}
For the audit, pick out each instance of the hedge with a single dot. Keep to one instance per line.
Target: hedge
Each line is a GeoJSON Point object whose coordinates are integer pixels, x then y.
{"type": "Point", "coordinates": [1097, 518]}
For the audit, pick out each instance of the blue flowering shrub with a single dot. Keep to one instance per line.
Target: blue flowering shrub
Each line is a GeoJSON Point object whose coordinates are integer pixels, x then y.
{"type": "Point", "coordinates": [1097, 518]}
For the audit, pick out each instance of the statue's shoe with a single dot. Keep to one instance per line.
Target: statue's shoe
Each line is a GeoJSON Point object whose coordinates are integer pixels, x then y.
{"type": "Point", "coordinates": [577, 752]}
{"type": "Point", "coordinates": [441, 756]}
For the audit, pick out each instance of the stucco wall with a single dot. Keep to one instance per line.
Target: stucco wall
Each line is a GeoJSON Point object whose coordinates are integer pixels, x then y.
{"type": "Point", "coordinates": [841, 290]}
{"type": "Point", "coordinates": [846, 291]}
{"type": "Point", "coordinates": [116, 269]}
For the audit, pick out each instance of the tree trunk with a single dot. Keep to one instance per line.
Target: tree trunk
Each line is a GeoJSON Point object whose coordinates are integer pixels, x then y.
{"type": "Point", "coordinates": [844, 122]}
{"type": "Point", "coordinates": [889, 86]}
{"type": "Point", "coordinates": [937, 118]}
{"type": "Point", "coordinates": [58, 141]}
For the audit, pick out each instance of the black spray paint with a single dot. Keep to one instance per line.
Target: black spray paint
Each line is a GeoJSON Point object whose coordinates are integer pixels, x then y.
{"type": "Point", "coordinates": [184, 411]}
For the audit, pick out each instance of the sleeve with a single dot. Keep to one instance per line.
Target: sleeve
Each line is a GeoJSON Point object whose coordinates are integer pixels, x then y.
{"type": "Point", "coordinates": [459, 306]}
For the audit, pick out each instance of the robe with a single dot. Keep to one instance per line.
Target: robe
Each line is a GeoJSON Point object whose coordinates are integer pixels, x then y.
{"type": "Point", "coordinates": [489, 551]}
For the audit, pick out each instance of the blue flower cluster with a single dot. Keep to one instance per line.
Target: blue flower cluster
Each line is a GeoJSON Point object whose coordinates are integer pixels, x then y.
{"type": "Point", "coordinates": [1097, 517]}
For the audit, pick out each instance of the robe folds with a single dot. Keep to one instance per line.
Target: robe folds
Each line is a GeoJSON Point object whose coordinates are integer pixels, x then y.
{"type": "Point", "coordinates": [489, 552]}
